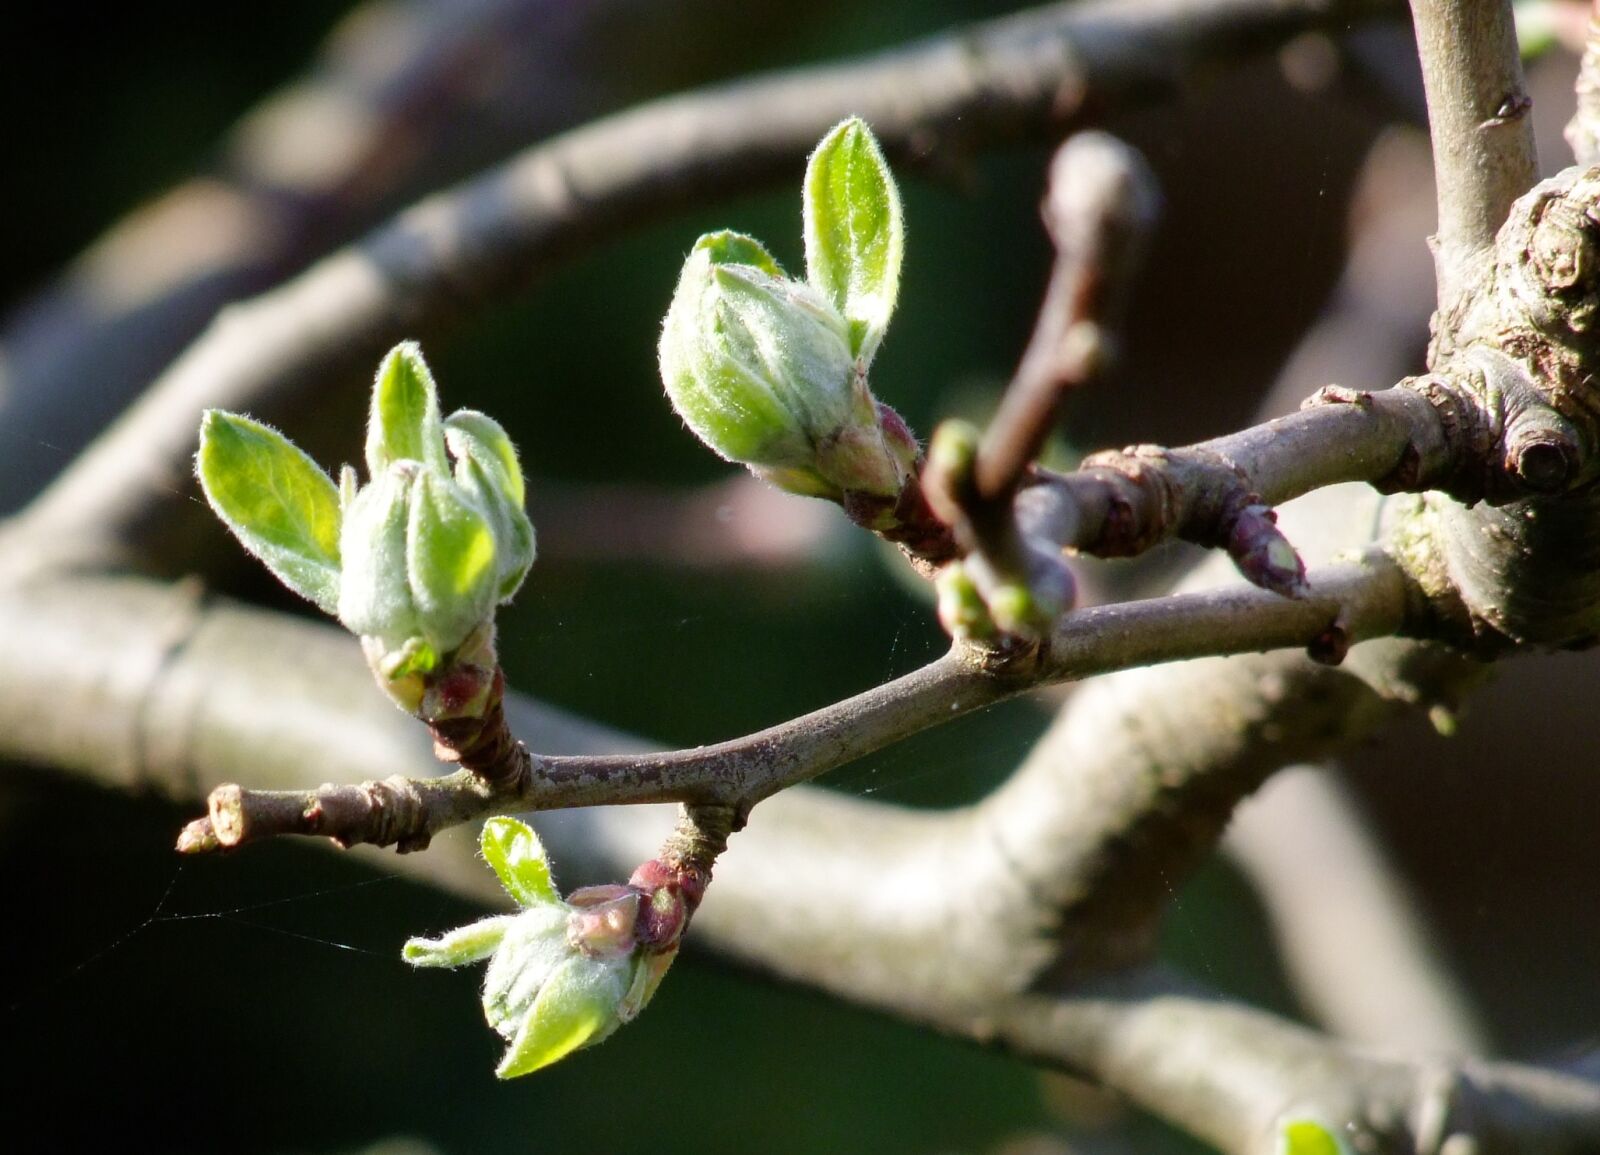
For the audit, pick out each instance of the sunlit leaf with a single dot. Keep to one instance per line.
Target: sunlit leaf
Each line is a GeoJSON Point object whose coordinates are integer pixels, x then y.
{"type": "Point", "coordinates": [575, 1007]}
{"type": "Point", "coordinates": [450, 560]}
{"type": "Point", "coordinates": [466, 944]}
{"type": "Point", "coordinates": [514, 852]}
{"type": "Point", "coordinates": [854, 231]}
{"type": "Point", "coordinates": [731, 248]}
{"type": "Point", "coordinates": [275, 499]}
{"type": "Point", "coordinates": [404, 424]}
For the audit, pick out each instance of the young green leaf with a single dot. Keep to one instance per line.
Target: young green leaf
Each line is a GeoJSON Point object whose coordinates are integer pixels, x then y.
{"type": "Point", "coordinates": [854, 231]}
{"type": "Point", "coordinates": [514, 852]}
{"type": "Point", "coordinates": [404, 424]}
{"type": "Point", "coordinates": [466, 944]}
{"type": "Point", "coordinates": [731, 248]}
{"type": "Point", "coordinates": [1308, 1137]}
{"type": "Point", "coordinates": [486, 467]}
{"type": "Point", "coordinates": [473, 434]}
{"type": "Point", "coordinates": [275, 499]}
{"type": "Point", "coordinates": [724, 398]}
{"type": "Point", "coordinates": [375, 597]}
{"type": "Point", "coordinates": [576, 1007]}
{"type": "Point", "coordinates": [450, 560]}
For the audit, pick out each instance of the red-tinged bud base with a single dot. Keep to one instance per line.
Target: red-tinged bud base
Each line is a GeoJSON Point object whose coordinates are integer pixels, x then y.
{"type": "Point", "coordinates": [483, 743]}
{"type": "Point", "coordinates": [670, 896]}
{"type": "Point", "coordinates": [907, 520]}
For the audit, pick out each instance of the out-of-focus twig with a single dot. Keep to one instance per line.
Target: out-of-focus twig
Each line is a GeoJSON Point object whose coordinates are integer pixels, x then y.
{"type": "Point", "coordinates": [1352, 939]}
{"type": "Point", "coordinates": [381, 117]}
{"type": "Point", "coordinates": [1038, 72]}
{"type": "Point", "coordinates": [1100, 204]}
{"type": "Point", "coordinates": [1583, 131]}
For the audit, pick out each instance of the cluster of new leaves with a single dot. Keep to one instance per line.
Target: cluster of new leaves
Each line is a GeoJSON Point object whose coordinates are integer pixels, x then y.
{"type": "Point", "coordinates": [562, 974]}
{"type": "Point", "coordinates": [770, 371]}
{"type": "Point", "coordinates": [413, 562]}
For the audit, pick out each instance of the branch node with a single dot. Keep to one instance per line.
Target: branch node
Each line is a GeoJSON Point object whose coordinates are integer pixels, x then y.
{"type": "Point", "coordinates": [1330, 647]}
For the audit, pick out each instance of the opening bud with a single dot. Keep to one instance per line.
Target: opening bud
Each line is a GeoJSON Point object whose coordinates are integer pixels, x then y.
{"type": "Point", "coordinates": [563, 974]}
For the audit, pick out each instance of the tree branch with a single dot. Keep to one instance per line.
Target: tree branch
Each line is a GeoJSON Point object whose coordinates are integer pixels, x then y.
{"type": "Point", "coordinates": [1039, 72]}
{"type": "Point", "coordinates": [1099, 207]}
{"type": "Point", "coordinates": [1359, 602]}
{"type": "Point", "coordinates": [1231, 1075]}
{"type": "Point", "coordinates": [378, 119]}
{"type": "Point", "coordinates": [1100, 204]}
{"type": "Point", "coordinates": [1354, 942]}
{"type": "Point", "coordinates": [946, 929]}
{"type": "Point", "coordinates": [1219, 492]}
{"type": "Point", "coordinates": [1483, 150]}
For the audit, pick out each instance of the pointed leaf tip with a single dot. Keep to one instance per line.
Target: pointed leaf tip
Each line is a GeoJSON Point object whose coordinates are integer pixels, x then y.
{"type": "Point", "coordinates": [466, 944]}
{"type": "Point", "coordinates": [573, 1009]}
{"type": "Point", "coordinates": [731, 248]}
{"type": "Point", "coordinates": [275, 499]}
{"type": "Point", "coordinates": [404, 424]}
{"type": "Point", "coordinates": [854, 231]}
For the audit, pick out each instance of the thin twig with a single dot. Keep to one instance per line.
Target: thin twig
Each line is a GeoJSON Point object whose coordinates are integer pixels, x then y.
{"type": "Point", "coordinates": [1100, 205]}
{"type": "Point", "coordinates": [1483, 151]}
{"type": "Point", "coordinates": [1356, 602]}
{"type": "Point", "coordinates": [1219, 492]}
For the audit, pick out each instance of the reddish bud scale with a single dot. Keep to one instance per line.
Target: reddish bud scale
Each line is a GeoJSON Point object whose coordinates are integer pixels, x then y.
{"type": "Point", "coordinates": [907, 521]}
{"type": "Point", "coordinates": [459, 686]}
{"type": "Point", "coordinates": [1264, 555]}
{"type": "Point", "coordinates": [483, 744]}
{"type": "Point", "coordinates": [670, 894]}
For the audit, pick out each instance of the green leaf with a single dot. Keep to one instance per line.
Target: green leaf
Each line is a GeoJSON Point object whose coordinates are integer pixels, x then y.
{"type": "Point", "coordinates": [404, 424]}
{"type": "Point", "coordinates": [450, 561]}
{"type": "Point", "coordinates": [466, 944]}
{"type": "Point", "coordinates": [280, 506]}
{"type": "Point", "coordinates": [727, 404]}
{"type": "Point", "coordinates": [731, 248]}
{"type": "Point", "coordinates": [375, 599]}
{"type": "Point", "coordinates": [855, 232]}
{"type": "Point", "coordinates": [487, 468]}
{"type": "Point", "coordinates": [577, 1006]}
{"type": "Point", "coordinates": [514, 852]}
{"type": "Point", "coordinates": [781, 332]}
{"type": "Point", "coordinates": [473, 434]}
{"type": "Point", "coordinates": [1308, 1137]}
